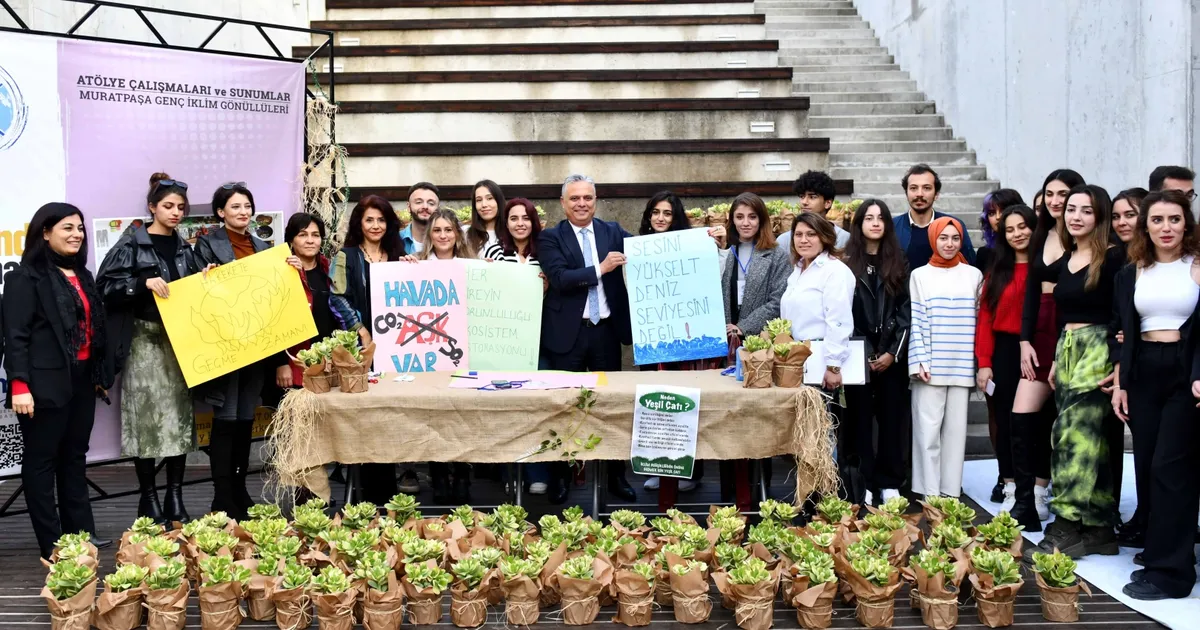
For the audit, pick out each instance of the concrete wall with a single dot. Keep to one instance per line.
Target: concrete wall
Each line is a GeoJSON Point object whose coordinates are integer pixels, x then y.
{"type": "Point", "coordinates": [1106, 87]}
{"type": "Point", "coordinates": [58, 16]}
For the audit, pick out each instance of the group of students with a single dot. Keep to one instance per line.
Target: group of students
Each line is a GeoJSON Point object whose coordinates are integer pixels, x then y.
{"type": "Point", "coordinates": [1042, 318]}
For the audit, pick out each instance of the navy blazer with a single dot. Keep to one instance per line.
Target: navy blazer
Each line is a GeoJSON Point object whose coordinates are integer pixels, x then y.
{"type": "Point", "coordinates": [561, 260]}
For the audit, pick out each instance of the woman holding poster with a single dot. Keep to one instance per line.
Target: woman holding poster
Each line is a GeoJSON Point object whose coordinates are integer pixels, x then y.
{"type": "Point", "coordinates": [486, 226]}
{"type": "Point", "coordinates": [234, 396]}
{"type": "Point", "coordinates": [372, 235]}
{"type": "Point", "coordinates": [157, 418]}
{"type": "Point", "coordinates": [53, 310]}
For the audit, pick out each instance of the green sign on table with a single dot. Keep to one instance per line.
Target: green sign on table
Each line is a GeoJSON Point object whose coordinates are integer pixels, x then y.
{"type": "Point", "coordinates": [665, 421]}
{"type": "Point", "coordinates": [504, 315]}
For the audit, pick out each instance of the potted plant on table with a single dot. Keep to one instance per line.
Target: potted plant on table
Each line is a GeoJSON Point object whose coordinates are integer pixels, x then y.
{"type": "Point", "coordinates": [996, 578]}
{"type": "Point", "coordinates": [334, 597]}
{"type": "Point", "coordinates": [1056, 579]}
{"type": "Point", "coordinates": [468, 592]}
{"type": "Point", "coordinates": [752, 587]}
{"type": "Point", "coordinates": [814, 588]}
{"type": "Point", "coordinates": [291, 593]}
{"type": "Point", "coordinates": [521, 585]}
{"type": "Point", "coordinates": [120, 605]}
{"type": "Point", "coordinates": [937, 575]}
{"type": "Point", "coordinates": [382, 606]}
{"type": "Point", "coordinates": [874, 582]}
{"type": "Point", "coordinates": [221, 592]}
{"type": "Point", "coordinates": [167, 595]}
{"type": "Point", "coordinates": [70, 593]}
{"type": "Point", "coordinates": [581, 579]}
{"type": "Point", "coordinates": [423, 585]}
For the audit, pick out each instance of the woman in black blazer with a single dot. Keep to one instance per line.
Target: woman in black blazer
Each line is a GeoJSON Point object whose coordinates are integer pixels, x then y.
{"type": "Point", "coordinates": [54, 331]}
{"type": "Point", "coordinates": [1155, 304]}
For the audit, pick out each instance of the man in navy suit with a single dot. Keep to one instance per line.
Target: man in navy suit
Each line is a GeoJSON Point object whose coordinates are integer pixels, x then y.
{"type": "Point", "coordinates": [585, 314]}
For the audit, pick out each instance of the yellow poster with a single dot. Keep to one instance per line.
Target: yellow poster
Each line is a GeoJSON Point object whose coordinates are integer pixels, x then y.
{"type": "Point", "coordinates": [240, 313]}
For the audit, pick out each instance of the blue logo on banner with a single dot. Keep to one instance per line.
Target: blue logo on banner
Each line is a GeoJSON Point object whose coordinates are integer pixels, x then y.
{"type": "Point", "coordinates": [13, 111]}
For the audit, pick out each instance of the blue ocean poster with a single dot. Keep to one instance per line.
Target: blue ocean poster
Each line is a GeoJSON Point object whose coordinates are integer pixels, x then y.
{"type": "Point", "coordinates": [675, 303]}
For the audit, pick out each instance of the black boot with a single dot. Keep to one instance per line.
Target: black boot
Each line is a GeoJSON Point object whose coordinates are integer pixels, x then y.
{"type": "Point", "coordinates": [173, 510]}
{"type": "Point", "coordinates": [241, 463]}
{"type": "Point", "coordinates": [1024, 425]}
{"type": "Point", "coordinates": [220, 461]}
{"type": "Point", "coordinates": [461, 493]}
{"type": "Point", "coordinates": [148, 505]}
{"type": "Point", "coordinates": [439, 480]}
{"type": "Point", "coordinates": [617, 485]}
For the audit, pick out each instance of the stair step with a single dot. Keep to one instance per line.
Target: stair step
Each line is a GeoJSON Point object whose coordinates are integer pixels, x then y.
{"type": "Point", "coordinates": [364, 35]}
{"type": "Point", "coordinates": [854, 134]}
{"type": "Point", "coordinates": [827, 25]}
{"type": "Point", "coordinates": [843, 159]}
{"type": "Point", "coordinates": [804, 11]}
{"type": "Point", "coordinates": [797, 56]}
{"type": "Point", "coordinates": [964, 207]}
{"type": "Point", "coordinates": [838, 61]}
{"type": "Point", "coordinates": [865, 97]}
{"type": "Point", "coordinates": [900, 146]}
{"type": "Point", "coordinates": [804, 4]}
{"type": "Point", "coordinates": [564, 9]}
{"type": "Point", "coordinates": [630, 61]}
{"type": "Point", "coordinates": [893, 174]}
{"type": "Point", "coordinates": [813, 87]}
{"type": "Point", "coordinates": [877, 121]}
{"type": "Point", "coordinates": [980, 187]}
{"type": "Point", "coordinates": [797, 32]}
{"type": "Point", "coordinates": [831, 46]}
{"type": "Point", "coordinates": [871, 109]}
{"type": "Point", "coordinates": [825, 70]}
{"type": "Point", "coordinates": [848, 74]}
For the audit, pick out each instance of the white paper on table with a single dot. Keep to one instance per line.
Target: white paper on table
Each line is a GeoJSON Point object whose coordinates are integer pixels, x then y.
{"type": "Point", "coordinates": [854, 370]}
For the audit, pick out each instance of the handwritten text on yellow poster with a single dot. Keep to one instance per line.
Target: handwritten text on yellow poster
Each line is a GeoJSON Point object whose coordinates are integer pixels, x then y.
{"type": "Point", "coordinates": [240, 313]}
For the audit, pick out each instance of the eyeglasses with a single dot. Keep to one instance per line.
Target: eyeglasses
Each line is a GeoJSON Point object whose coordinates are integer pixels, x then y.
{"type": "Point", "coordinates": [232, 185]}
{"type": "Point", "coordinates": [1191, 195]}
{"type": "Point", "coordinates": [168, 183]}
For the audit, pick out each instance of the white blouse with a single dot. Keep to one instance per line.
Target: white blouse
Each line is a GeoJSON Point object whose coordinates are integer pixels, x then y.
{"type": "Point", "coordinates": [818, 301]}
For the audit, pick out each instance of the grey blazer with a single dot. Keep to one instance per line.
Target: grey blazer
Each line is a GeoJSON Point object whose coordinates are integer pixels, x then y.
{"type": "Point", "coordinates": [765, 283]}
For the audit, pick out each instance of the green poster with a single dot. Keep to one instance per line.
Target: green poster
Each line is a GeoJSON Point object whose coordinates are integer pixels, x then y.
{"type": "Point", "coordinates": [504, 315]}
{"type": "Point", "coordinates": [666, 419]}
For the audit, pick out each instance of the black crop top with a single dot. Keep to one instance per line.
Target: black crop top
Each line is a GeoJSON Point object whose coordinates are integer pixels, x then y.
{"type": "Point", "coordinates": [1039, 272]}
{"type": "Point", "coordinates": [1078, 306]}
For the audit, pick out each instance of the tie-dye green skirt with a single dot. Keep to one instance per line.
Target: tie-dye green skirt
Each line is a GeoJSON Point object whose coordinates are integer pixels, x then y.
{"type": "Point", "coordinates": [1083, 485]}
{"type": "Point", "coordinates": [157, 419]}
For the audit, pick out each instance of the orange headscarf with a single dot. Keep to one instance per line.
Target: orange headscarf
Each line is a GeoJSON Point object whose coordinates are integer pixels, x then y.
{"type": "Point", "coordinates": [935, 230]}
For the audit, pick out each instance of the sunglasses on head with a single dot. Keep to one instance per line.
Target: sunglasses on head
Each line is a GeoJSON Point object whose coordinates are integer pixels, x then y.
{"type": "Point", "coordinates": [232, 185]}
{"type": "Point", "coordinates": [168, 183]}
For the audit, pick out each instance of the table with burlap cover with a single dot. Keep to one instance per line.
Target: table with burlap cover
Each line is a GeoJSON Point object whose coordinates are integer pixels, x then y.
{"type": "Point", "coordinates": [427, 420]}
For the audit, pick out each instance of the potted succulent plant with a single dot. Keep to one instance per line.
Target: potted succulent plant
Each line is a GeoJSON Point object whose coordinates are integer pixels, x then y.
{"type": "Point", "coordinates": [166, 595]}
{"type": "Point", "coordinates": [521, 583]}
{"type": "Point", "coordinates": [937, 575]}
{"type": "Point", "coordinates": [424, 584]}
{"type": "Point", "coordinates": [291, 593]}
{"type": "Point", "coordinates": [815, 585]}
{"type": "Point", "coordinates": [689, 587]}
{"type": "Point", "coordinates": [996, 578]}
{"type": "Point", "coordinates": [752, 587]}
{"type": "Point", "coordinates": [382, 607]}
{"type": "Point", "coordinates": [334, 597]}
{"type": "Point", "coordinates": [120, 605]}
{"type": "Point", "coordinates": [635, 593]}
{"type": "Point", "coordinates": [403, 509]}
{"type": "Point", "coordinates": [468, 592]}
{"type": "Point", "coordinates": [1056, 579]}
{"type": "Point", "coordinates": [874, 582]}
{"type": "Point", "coordinates": [70, 593]}
{"type": "Point", "coordinates": [223, 582]}
{"type": "Point", "coordinates": [581, 579]}
{"type": "Point", "coordinates": [1002, 532]}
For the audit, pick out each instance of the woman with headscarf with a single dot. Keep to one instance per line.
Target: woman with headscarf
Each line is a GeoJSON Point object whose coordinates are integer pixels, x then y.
{"type": "Point", "coordinates": [941, 360]}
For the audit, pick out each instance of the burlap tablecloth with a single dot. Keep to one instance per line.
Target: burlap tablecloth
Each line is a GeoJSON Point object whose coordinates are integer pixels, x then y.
{"type": "Point", "coordinates": [427, 420]}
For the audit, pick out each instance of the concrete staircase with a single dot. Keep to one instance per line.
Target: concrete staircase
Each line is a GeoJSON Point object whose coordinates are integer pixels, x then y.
{"type": "Point", "coordinates": [877, 120]}
{"type": "Point", "coordinates": [643, 95]}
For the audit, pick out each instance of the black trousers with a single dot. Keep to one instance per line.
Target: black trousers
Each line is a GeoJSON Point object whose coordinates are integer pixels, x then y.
{"type": "Point", "coordinates": [1006, 373]}
{"type": "Point", "coordinates": [1164, 401]}
{"type": "Point", "coordinates": [55, 440]}
{"type": "Point", "coordinates": [884, 402]}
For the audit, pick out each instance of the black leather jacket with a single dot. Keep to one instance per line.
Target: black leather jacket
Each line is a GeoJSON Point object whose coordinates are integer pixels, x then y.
{"type": "Point", "coordinates": [881, 317]}
{"type": "Point", "coordinates": [216, 248]}
{"type": "Point", "coordinates": [122, 281]}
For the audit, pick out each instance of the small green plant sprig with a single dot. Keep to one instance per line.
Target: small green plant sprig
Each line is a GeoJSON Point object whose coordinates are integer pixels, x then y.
{"type": "Point", "coordinates": [695, 536]}
{"type": "Point", "coordinates": [572, 514]}
{"type": "Point", "coordinates": [215, 520]}
{"type": "Point", "coordinates": [798, 547]}
{"type": "Point", "coordinates": [404, 506]}
{"type": "Point", "coordinates": [192, 528]}
{"type": "Point", "coordinates": [263, 511]}
{"type": "Point", "coordinates": [754, 343]}
{"type": "Point", "coordinates": [319, 352]}
{"type": "Point", "coordinates": [666, 528]}
{"type": "Point", "coordinates": [817, 566]}
{"type": "Point", "coordinates": [948, 535]}
{"type": "Point", "coordinates": [126, 577]}
{"type": "Point", "coordinates": [729, 556]}
{"type": "Point", "coordinates": [1002, 531]}
{"type": "Point", "coordinates": [629, 519]}
{"type": "Point", "coordinates": [331, 580]}
{"type": "Point", "coordinates": [646, 570]}
{"type": "Point", "coordinates": [68, 577]}
{"type": "Point", "coordinates": [730, 528]}
{"type": "Point", "coordinates": [311, 521]}
{"type": "Point", "coordinates": [397, 535]}
{"type": "Point", "coordinates": [777, 511]}
{"type": "Point", "coordinates": [874, 569]}
{"type": "Point", "coordinates": [421, 549]}
{"type": "Point", "coordinates": [487, 556]}
{"type": "Point", "coordinates": [885, 522]}
{"type": "Point", "coordinates": [933, 561]}
{"type": "Point", "coordinates": [997, 563]}
{"type": "Point", "coordinates": [606, 545]}
{"type": "Point", "coordinates": [296, 575]}
{"type": "Point", "coordinates": [684, 568]}
{"type": "Point", "coordinates": [1057, 569]}
{"type": "Point", "coordinates": [511, 567]}
{"type": "Point", "coordinates": [72, 539]}
{"type": "Point", "coordinates": [464, 514]}
{"type": "Point", "coordinates": [568, 442]}
{"type": "Point", "coordinates": [210, 541]}
{"type": "Point", "coordinates": [73, 551]}
{"type": "Point", "coordinates": [374, 568]}
{"type": "Point", "coordinates": [469, 571]}
{"type": "Point", "coordinates": [539, 550]}
{"type": "Point", "coordinates": [896, 506]}
{"type": "Point", "coordinates": [579, 567]}
{"type": "Point", "coordinates": [359, 515]}
{"type": "Point", "coordinates": [681, 549]}
{"type": "Point", "coordinates": [778, 326]}
{"type": "Point", "coordinates": [752, 571]}
{"type": "Point", "coordinates": [502, 523]}
{"type": "Point", "coordinates": [335, 536]}
{"type": "Point", "coordinates": [222, 570]}
{"type": "Point", "coordinates": [822, 533]}
{"type": "Point", "coordinates": [833, 509]}
{"type": "Point", "coordinates": [573, 533]}
{"type": "Point", "coordinates": [362, 542]}
{"type": "Point", "coordinates": [266, 528]}
{"type": "Point", "coordinates": [167, 576]}
{"type": "Point", "coordinates": [162, 547]}
{"type": "Point", "coordinates": [767, 533]}
{"type": "Point", "coordinates": [146, 525]}
{"type": "Point", "coordinates": [424, 576]}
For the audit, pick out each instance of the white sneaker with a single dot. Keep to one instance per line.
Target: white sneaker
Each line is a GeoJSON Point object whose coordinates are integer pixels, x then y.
{"type": "Point", "coordinates": [651, 484]}
{"type": "Point", "coordinates": [1010, 497]}
{"type": "Point", "coordinates": [889, 494]}
{"type": "Point", "coordinates": [868, 499]}
{"type": "Point", "coordinates": [537, 487]}
{"type": "Point", "coordinates": [1041, 501]}
{"type": "Point", "coordinates": [686, 485]}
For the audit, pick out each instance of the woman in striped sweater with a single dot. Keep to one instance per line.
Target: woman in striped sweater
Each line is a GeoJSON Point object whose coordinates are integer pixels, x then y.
{"type": "Point", "coordinates": [941, 360]}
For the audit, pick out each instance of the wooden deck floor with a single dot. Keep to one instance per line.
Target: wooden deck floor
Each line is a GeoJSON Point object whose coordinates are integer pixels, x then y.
{"type": "Point", "coordinates": [21, 574]}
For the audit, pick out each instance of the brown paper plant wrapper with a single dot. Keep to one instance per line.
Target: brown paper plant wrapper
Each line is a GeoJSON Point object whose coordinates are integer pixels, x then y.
{"type": "Point", "coordinates": [789, 371]}
{"type": "Point", "coordinates": [719, 576]}
{"type": "Point", "coordinates": [92, 552]}
{"type": "Point", "coordinates": [635, 598]}
{"type": "Point", "coordinates": [757, 368]}
{"type": "Point", "coordinates": [335, 611]}
{"type": "Point", "coordinates": [468, 608]}
{"type": "Point", "coordinates": [131, 553]}
{"type": "Point", "coordinates": [1061, 604]}
{"type": "Point", "coordinates": [221, 606]}
{"type": "Point", "coordinates": [995, 603]}
{"type": "Point", "coordinates": [383, 611]}
{"type": "Point", "coordinates": [293, 607]}
{"type": "Point", "coordinates": [119, 611]}
{"type": "Point", "coordinates": [258, 601]}
{"type": "Point", "coordinates": [166, 609]}
{"type": "Point", "coordinates": [581, 598]}
{"type": "Point", "coordinates": [73, 613]}
{"type": "Point", "coordinates": [319, 378]}
{"type": "Point", "coordinates": [662, 589]}
{"type": "Point", "coordinates": [521, 596]}
{"type": "Point", "coordinates": [424, 605]}
{"type": "Point", "coordinates": [551, 594]}
{"type": "Point", "coordinates": [753, 603]}
{"type": "Point", "coordinates": [689, 594]}
{"type": "Point", "coordinates": [814, 605]}
{"type": "Point", "coordinates": [353, 374]}
{"type": "Point", "coordinates": [939, 594]}
{"type": "Point", "coordinates": [876, 605]}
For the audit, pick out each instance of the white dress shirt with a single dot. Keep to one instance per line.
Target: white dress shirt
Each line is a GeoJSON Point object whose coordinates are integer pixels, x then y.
{"type": "Point", "coordinates": [818, 302]}
{"type": "Point", "coordinates": [591, 228]}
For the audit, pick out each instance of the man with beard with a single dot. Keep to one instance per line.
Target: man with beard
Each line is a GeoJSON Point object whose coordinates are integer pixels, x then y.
{"type": "Point", "coordinates": [921, 187]}
{"type": "Point", "coordinates": [422, 201]}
